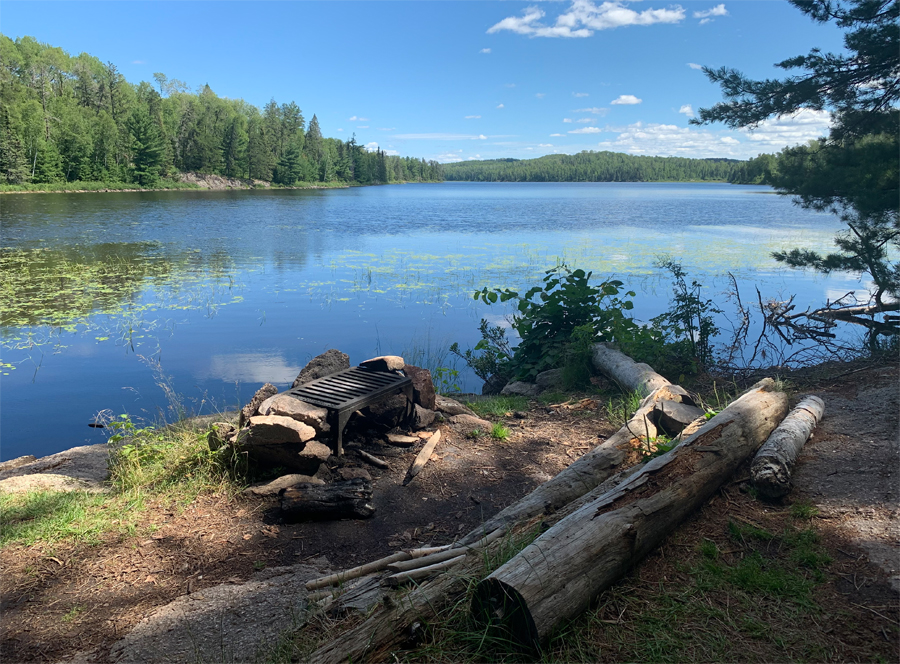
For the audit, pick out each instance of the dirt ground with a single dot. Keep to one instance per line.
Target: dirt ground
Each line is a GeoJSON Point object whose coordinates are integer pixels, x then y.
{"type": "Point", "coordinates": [66, 600]}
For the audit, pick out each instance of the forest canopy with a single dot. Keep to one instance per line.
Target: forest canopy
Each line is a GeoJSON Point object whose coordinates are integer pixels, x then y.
{"type": "Point", "coordinates": [70, 118]}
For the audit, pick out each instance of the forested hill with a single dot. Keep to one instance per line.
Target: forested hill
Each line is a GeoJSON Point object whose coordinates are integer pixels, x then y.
{"type": "Point", "coordinates": [66, 119]}
{"type": "Point", "coordinates": [589, 166]}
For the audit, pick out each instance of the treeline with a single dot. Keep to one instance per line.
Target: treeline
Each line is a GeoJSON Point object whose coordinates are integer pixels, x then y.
{"type": "Point", "coordinates": [590, 166]}
{"type": "Point", "coordinates": [66, 119]}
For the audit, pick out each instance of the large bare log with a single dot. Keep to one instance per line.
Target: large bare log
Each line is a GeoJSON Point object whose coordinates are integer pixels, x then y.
{"type": "Point", "coordinates": [630, 375]}
{"type": "Point", "coordinates": [342, 500]}
{"type": "Point", "coordinates": [773, 465]}
{"type": "Point", "coordinates": [590, 470]}
{"type": "Point", "coordinates": [556, 577]}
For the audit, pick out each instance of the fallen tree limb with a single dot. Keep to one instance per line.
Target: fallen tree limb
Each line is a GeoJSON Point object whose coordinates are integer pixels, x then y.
{"type": "Point", "coordinates": [556, 577]}
{"type": "Point", "coordinates": [371, 459]}
{"type": "Point", "coordinates": [422, 457]}
{"type": "Point", "coordinates": [422, 572]}
{"type": "Point", "coordinates": [631, 376]}
{"type": "Point", "coordinates": [773, 465]}
{"type": "Point", "coordinates": [356, 572]}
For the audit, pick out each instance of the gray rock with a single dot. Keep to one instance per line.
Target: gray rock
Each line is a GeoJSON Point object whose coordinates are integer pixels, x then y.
{"type": "Point", "coordinates": [274, 429]}
{"type": "Point", "coordinates": [288, 406]}
{"type": "Point", "coordinates": [468, 423]}
{"type": "Point", "coordinates": [518, 388]}
{"type": "Point", "coordinates": [353, 473]}
{"type": "Point", "coordinates": [272, 488]}
{"type": "Point", "coordinates": [384, 363]}
{"type": "Point", "coordinates": [422, 417]}
{"type": "Point", "coordinates": [329, 362]}
{"type": "Point", "coordinates": [389, 412]}
{"type": "Point", "coordinates": [219, 434]}
{"type": "Point", "coordinates": [87, 462]}
{"type": "Point", "coordinates": [423, 387]}
{"type": "Point", "coordinates": [402, 441]}
{"type": "Point", "coordinates": [315, 453]}
{"type": "Point", "coordinates": [551, 379]}
{"type": "Point", "coordinates": [17, 462]}
{"type": "Point", "coordinates": [250, 409]}
{"type": "Point", "coordinates": [48, 482]}
{"type": "Point", "coordinates": [451, 406]}
{"type": "Point", "coordinates": [493, 385]}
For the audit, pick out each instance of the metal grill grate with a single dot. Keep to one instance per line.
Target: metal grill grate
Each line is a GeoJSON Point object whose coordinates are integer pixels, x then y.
{"type": "Point", "coordinates": [346, 391]}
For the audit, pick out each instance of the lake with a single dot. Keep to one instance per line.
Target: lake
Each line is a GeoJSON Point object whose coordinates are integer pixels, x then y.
{"type": "Point", "coordinates": [146, 303]}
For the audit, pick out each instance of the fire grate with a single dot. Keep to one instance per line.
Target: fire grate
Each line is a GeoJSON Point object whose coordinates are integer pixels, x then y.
{"type": "Point", "coordinates": [347, 391]}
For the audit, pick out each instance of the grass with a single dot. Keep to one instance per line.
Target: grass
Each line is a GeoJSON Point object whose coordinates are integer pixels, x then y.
{"type": "Point", "coordinates": [499, 432]}
{"type": "Point", "coordinates": [620, 408]}
{"type": "Point", "coordinates": [92, 185]}
{"type": "Point", "coordinates": [498, 405]}
{"type": "Point", "coordinates": [172, 466]}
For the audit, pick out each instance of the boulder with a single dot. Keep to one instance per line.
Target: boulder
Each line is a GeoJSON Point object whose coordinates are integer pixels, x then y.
{"type": "Point", "coordinates": [467, 423]}
{"type": "Point", "coordinates": [518, 388]}
{"type": "Point", "coordinates": [423, 387]}
{"type": "Point", "coordinates": [275, 429]}
{"type": "Point", "coordinates": [388, 412]}
{"type": "Point", "coordinates": [329, 362]}
{"type": "Point", "coordinates": [549, 380]}
{"type": "Point", "coordinates": [219, 434]}
{"type": "Point", "coordinates": [250, 409]}
{"type": "Point", "coordinates": [493, 385]}
{"type": "Point", "coordinates": [275, 486]}
{"type": "Point", "coordinates": [314, 454]}
{"type": "Point", "coordinates": [422, 417]}
{"type": "Point", "coordinates": [384, 363]}
{"type": "Point", "coordinates": [288, 406]}
{"type": "Point", "coordinates": [451, 406]}
{"type": "Point", "coordinates": [353, 474]}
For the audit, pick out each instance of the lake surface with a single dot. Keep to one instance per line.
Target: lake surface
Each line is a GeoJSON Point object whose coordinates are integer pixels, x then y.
{"type": "Point", "coordinates": [129, 302]}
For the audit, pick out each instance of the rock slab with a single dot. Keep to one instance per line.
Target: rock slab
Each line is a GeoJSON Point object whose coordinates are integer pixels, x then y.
{"type": "Point", "coordinates": [329, 362]}
{"type": "Point", "coordinates": [423, 386]}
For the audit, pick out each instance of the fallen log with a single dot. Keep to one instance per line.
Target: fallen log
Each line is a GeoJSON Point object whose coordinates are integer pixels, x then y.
{"type": "Point", "coordinates": [631, 376]}
{"type": "Point", "coordinates": [590, 470]}
{"type": "Point", "coordinates": [422, 457]}
{"type": "Point", "coordinates": [556, 577]}
{"type": "Point", "coordinates": [773, 465]}
{"type": "Point", "coordinates": [340, 500]}
{"type": "Point", "coordinates": [356, 572]}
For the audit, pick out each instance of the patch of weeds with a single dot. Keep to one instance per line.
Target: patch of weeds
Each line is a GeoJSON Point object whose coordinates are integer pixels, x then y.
{"type": "Point", "coordinates": [73, 613]}
{"type": "Point", "coordinates": [619, 409]}
{"type": "Point", "coordinates": [804, 510]}
{"type": "Point", "coordinates": [445, 380]}
{"type": "Point", "coordinates": [474, 433]}
{"type": "Point", "coordinates": [259, 565]}
{"type": "Point", "coordinates": [709, 549]}
{"type": "Point", "coordinates": [499, 432]}
{"type": "Point", "coordinates": [498, 405]}
{"type": "Point", "coordinates": [548, 398]}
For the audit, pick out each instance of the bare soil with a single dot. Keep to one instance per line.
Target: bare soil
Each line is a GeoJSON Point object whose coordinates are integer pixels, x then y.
{"type": "Point", "coordinates": [63, 600]}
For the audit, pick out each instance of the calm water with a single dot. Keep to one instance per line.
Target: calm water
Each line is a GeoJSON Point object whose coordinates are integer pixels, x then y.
{"type": "Point", "coordinates": [119, 301]}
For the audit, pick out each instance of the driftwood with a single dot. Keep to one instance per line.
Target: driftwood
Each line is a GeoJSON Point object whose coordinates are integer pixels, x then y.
{"type": "Point", "coordinates": [631, 376]}
{"type": "Point", "coordinates": [773, 465]}
{"type": "Point", "coordinates": [422, 457]}
{"type": "Point", "coordinates": [427, 570]}
{"type": "Point", "coordinates": [356, 572]}
{"type": "Point", "coordinates": [555, 578]}
{"type": "Point", "coordinates": [341, 500]}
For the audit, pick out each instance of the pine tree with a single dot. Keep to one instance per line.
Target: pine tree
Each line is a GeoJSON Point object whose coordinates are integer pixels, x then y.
{"type": "Point", "coordinates": [147, 147]}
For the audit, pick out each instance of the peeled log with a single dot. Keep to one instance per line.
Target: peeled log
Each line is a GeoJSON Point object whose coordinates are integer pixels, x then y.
{"type": "Point", "coordinates": [630, 375]}
{"type": "Point", "coordinates": [340, 500]}
{"type": "Point", "coordinates": [555, 578]}
{"type": "Point", "coordinates": [773, 465]}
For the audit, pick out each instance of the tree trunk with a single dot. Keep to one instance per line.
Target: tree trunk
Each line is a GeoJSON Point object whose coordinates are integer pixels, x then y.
{"type": "Point", "coordinates": [631, 376]}
{"type": "Point", "coordinates": [773, 465]}
{"type": "Point", "coordinates": [340, 500]}
{"type": "Point", "coordinates": [556, 577]}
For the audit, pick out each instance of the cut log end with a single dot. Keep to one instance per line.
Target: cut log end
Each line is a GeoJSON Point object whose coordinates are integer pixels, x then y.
{"type": "Point", "coordinates": [500, 609]}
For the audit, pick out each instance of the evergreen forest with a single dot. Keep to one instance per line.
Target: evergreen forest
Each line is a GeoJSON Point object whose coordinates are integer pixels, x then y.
{"type": "Point", "coordinates": [590, 166]}
{"type": "Point", "coordinates": [70, 118]}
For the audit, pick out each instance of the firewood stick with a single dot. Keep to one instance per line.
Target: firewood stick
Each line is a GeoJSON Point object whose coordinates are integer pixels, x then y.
{"type": "Point", "coordinates": [356, 572]}
{"type": "Point", "coordinates": [427, 551]}
{"type": "Point", "coordinates": [374, 460]}
{"type": "Point", "coordinates": [422, 457]}
{"type": "Point", "coordinates": [422, 572]}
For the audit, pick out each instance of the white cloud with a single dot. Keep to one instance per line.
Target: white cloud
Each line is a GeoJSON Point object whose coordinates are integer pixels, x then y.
{"type": "Point", "coordinates": [718, 10]}
{"type": "Point", "coordinates": [567, 120]}
{"type": "Point", "coordinates": [371, 147]}
{"type": "Point", "coordinates": [448, 158]}
{"type": "Point", "coordinates": [138, 62]}
{"type": "Point", "coordinates": [340, 130]}
{"type": "Point", "coordinates": [440, 137]}
{"type": "Point", "coordinates": [556, 135]}
{"type": "Point", "coordinates": [545, 145]}
{"type": "Point", "coordinates": [594, 110]}
{"type": "Point", "coordinates": [584, 120]}
{"type": "Point", "coordinates": [356, 119]}
{"type": "Point", "coordinates": [362, 126]}
{"type": "Point", "coordinates": [485, 50]}
{"type": "Point", "coordinates": [687, 109]}
{"type": "Point", "coordinates": [473, 117]}
{"type": "Point", "coordinates": [540, 95]}
{"type": "Point", "coordinates": [694, 65]}
{"type": "Point", "coordinates": [583, 17]}
{"type": "Point", "coordinates": [473, 158]}
{"type": "Point", "coordinates": [581, 94]}
{"type": "Point", "coordinates": [509, 85]}
{"type": "Point", "coordinates": [586, 130]}
{"type": "Point", "coordinates": [803, 126]}
{"type": "Point", "coordinates": [387, 128]}
{"type": "Point", "coordinates": [626, 100]}
{"type": "Point", "coordinates": [500, 106]}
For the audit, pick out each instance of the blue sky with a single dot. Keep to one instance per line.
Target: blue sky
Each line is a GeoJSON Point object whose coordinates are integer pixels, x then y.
{"type": "Point", "coordinates": [461, 80]}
